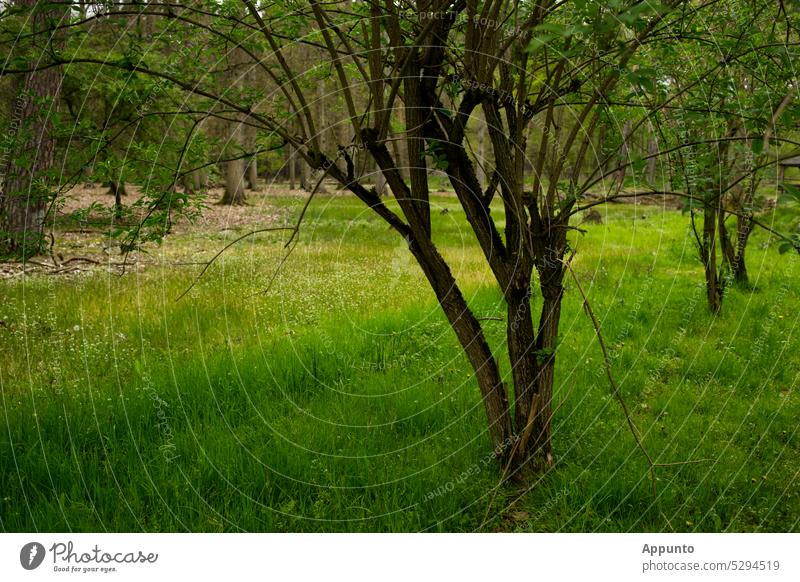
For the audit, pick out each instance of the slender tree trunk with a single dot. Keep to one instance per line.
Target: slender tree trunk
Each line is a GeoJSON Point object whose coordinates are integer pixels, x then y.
{"type": "Point", "coordinates": [304, 173]}
{"type": "Point", "coordinates": [117, 189]}
{"type": "Point", "coordinates": [470, 335]}
{"type": "Point", "coordinates": [744, 226]}
{"type": "Point", "coordinates": [619, 178]}
{"type": "Point", "coordinates": [728, 252]}
{"type": "Point", "coordinates": [320, 114]}
{"type": "Point", "coordinates": [380, 181]}
{"type": "Point", "coordinates": [708, 256]}
{"type": "Point", "coordinates": [481, 153]}
{"type": "Point", "coordinates": [235, 168]}
{"type": "Point", "coordinates": [521, 342]}
{"type": "Point", "coordinates": [292, 167]}
{"type": "Point", "coordinates": [652, 150]}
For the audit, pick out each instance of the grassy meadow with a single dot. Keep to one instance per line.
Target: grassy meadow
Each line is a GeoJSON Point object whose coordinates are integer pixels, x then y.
{"type": "Point", "coordinates": [338, 399]}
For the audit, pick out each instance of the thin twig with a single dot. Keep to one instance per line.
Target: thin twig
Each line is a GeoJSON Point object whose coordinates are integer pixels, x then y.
{"type": "Point", "coordinates": [225, 248]}
{"type": "Point", "coordinates": [615, 388]}
{"type": "Point", "coordinates": [607, 364]}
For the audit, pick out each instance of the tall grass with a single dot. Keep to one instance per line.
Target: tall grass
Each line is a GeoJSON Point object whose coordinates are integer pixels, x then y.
{"type": "Point", "coordinates": [338, 399]}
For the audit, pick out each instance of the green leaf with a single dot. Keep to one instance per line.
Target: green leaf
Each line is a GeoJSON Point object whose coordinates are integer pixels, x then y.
{"type": "Point", "coordinates": [792, 192]}
{"type": "Point", "coordinates": [539, 42]}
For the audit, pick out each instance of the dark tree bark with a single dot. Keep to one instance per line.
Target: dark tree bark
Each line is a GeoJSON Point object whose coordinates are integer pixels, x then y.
{"type": "Point", "coordinates": [380, 181]}
{"type": "Point", "coordinates": [117, 190]}
{"type": "Point", "coordinates": [470, 335]}
{"type": "Point", "coordinates": [744, 226]}
{"type": "Point", "coordinates": [251, 174]}
{"type": "Point", "coordinates": [25, 194]}
{"type": "Point", "coordinates": [708, 256]}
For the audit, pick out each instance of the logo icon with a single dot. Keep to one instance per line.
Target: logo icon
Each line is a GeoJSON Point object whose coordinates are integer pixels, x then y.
{"type": "Point", "coordinates": [31, 555]}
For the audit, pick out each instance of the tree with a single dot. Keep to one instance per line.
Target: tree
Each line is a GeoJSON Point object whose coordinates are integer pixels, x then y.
{"type": "Point", "coordinates": [463, 50]}
{"type": "Point", "coordinates": [424, 78]}
{"type": "Point", "coordinates": [27, 187]}
{"type": "Point", "coordinates": [729, 116]}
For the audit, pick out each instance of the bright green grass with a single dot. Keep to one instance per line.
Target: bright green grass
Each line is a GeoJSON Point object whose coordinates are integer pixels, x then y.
{"type": "Point", "coordinates": [339, 400]}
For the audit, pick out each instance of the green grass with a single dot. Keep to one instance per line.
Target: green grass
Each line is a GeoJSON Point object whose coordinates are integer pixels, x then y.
{"type": "Point", "coordinates": [339, 400]}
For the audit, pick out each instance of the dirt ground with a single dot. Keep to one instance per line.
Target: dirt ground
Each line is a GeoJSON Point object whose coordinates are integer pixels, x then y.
{"type": "Point", "coordinates": [78, 248]}
{"type": "Point", "coordinates": [81, 247]}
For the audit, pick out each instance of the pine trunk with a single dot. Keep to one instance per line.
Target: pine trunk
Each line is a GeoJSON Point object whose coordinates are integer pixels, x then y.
{"type": "Point", "coordinates": [25, 195]}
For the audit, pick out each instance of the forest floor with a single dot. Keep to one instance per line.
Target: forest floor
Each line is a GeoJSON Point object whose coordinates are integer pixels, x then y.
{"type": "Point", "coordinates": [337, 399]}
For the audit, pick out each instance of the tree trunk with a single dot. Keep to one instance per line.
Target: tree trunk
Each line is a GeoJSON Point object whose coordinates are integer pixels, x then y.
{"type": "Point", "coordinates": [234, 183]}
{"type": "Point", "coordinates": [291, 163]}
{"type": "Point", "coordinates": [470, 335]}
{"type": "Point", "coordinates": [708, 256]}
{"type": "Point", "coordinates": [25, 195]}
{"type": "Point", "coordinates": [117, 189]}
{"type": "Point", "coordinates": [320, 114]}
{"type": "Point", "coordinates": [619, 177]}
{"type": "Point", "coordinates": [521, 343]}
{"type": "Point", "coordinates": [728, 252]}
{"type": "Point", "coordinates": [481, 153]}
{"type": "Point", "coordinates": [744, 226]}
{"type": "Point", "coordinates": [304, 172]}
{"type": "Point", "coordinates": [252, 173]}
{"type": "Point", "coordinates": [235, 168]}
{"type": "Point", "coordinates": [540, 444]}
{"type": "Point", "coordinates": [380, 181]}
{"type": "Point", "coordinates": [652, 150]}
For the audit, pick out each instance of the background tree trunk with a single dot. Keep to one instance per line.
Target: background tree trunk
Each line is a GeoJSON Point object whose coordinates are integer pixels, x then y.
{"type": "Point", "coordinates": [652, 149]}
{"type": "Point", "coordinates": [25, 194]}
{"type": "Point", "coordinates": [252, 173]}
{"type": "Point", "coordinates": [117, 189]}
{"type": "Point", "coordinates": [481, 153]}
{"type": "Point", "coordinates": [619, 177]}
{"type": "Point", "coordinates": [380, 180]}
{"type": "Point", "coordinates": [235, 169]}
{"type": "Point", "coordinates": [234, 183]}
{"type": "Point", "coordinates": [292, 166]}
